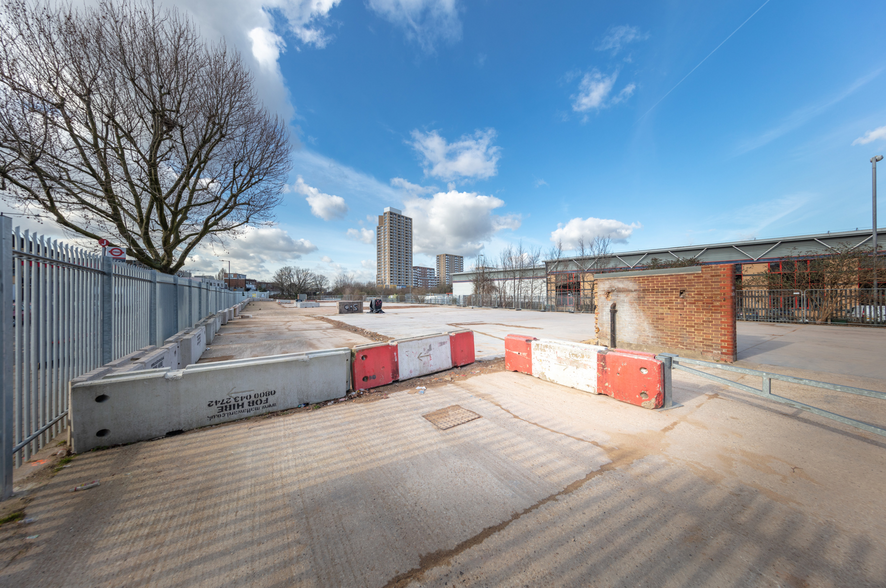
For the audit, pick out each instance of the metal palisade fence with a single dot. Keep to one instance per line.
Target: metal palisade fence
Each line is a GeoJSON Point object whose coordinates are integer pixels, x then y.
{"type": "Point", "coordinates": [65, 311]}
{"type": "Point", "coordinates": [823, 306]}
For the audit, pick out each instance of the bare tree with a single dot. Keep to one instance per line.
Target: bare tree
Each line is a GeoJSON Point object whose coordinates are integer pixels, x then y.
{"type": "Point", "coordinates": [302, 280]}
{"type": "Point", "coordinates": [283, 280]}
{"type": "Point", "coordinates": [533, 259]}
{"type": "Point", "coordinates": [506, 260]}
{"type": "Point", "coordinates": [552, 270]}
{"type": "Point", "coordinates": [321, 283]}
{"type": "Point", "coordinates": [121, 123]}
{"type": "Point", "coordinates": [345, 284]}
{"type": "Point", "coordinates": [484, 287]}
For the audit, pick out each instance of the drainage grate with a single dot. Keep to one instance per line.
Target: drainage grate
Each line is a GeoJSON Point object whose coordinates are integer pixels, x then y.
{"type": "Point", "coordinates": [451, 416]}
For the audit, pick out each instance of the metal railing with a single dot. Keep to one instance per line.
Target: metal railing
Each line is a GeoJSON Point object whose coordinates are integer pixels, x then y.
{"type": "Point", "coordinates": [822, 306]}
{"type": "Point", "coordinates": [65, 311]}
{"type": "Point", "coordinates": [765, 390]}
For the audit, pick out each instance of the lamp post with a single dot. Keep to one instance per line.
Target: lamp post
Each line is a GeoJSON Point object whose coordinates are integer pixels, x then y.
{"type": "Point", "coordinates": [227, 275]}
{"type": "Point", "coordinates": [874, 161]}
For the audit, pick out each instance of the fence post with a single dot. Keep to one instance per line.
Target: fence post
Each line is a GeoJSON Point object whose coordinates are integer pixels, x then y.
{"type": "Point", "coordinates": [7, 314]}
{"type": "Point", "coordinates": [154, 310]}
{"type": "Point", "coordinates": [107, 306]}
{"type": "Point", "coordinates": [668, 364]}
{"type": "Point", "coordinates": [175, 308]}
{"type": "Point", "coordinates": [804, 306]}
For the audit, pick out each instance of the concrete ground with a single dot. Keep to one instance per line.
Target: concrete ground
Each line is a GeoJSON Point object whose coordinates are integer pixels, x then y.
{"type": "Point", "coordinates": [490, 326]}
{"type": "Point", "coordinates": [270, 329]}
{"type": "Point", "coordinates": [851, 351]}
{"type": "Point", "coordinates": [550, 487]}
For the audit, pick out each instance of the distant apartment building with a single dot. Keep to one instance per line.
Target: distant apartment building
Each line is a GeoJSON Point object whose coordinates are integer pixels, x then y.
{"type": "Point", "coordinates": [393, 238]}
{"type": "Point", "coordinates": [447, 265]}
{"type": "Point", "coordinates": [233, 281]}
{"type": "Point", "coordinates": [423, 277]}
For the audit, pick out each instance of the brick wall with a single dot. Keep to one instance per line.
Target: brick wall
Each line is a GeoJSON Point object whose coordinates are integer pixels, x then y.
{"type": "Point", "coordinates": [687, 311]}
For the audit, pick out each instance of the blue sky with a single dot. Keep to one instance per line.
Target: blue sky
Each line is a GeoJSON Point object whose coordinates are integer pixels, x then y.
{"type": "Point", "coordinates": [491, 122]}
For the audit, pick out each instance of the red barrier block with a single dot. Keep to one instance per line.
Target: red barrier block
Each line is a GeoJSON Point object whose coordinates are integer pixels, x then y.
{"type": "Point", "coordinates": [374, 365]}
{"type": "Point", "coordinates": [462, 345]}
{"type": "Point", "coordinates": [518, 353]}
{"type": "Point", "coordinates": [634, 377]}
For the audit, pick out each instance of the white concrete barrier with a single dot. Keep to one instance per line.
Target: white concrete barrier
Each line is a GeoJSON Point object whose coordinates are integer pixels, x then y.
{"type": "Point", "coordinates": [192, 346]}
{"type": "Point", "coordinates": [566, 363]}
{"type": "Point", "coordinates": [310, 304]}
{"type": "Point", "coordinates": [129, 359]}
{"type": "Point", "coordinates": [168, 356]}
{"type": "Point", "coordinates": [145, 405]}
{"type": "Point", "coordinates": [423, 355]}
{"type": "Point", "coordinates": [222, 317]}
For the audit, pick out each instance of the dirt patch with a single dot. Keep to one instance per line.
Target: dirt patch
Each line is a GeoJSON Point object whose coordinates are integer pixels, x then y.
{"type": "Point", "coordinates": [346, 327]}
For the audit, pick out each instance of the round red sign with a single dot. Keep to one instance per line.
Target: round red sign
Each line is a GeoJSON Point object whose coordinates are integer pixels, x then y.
{"type": "Point", "coordinates": [104, 242]}
{"type": "Point", "coordinates": [116, 252]}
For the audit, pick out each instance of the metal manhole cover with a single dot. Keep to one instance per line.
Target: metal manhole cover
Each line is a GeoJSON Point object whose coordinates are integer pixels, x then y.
{"type": "Point", "coordinates": [451, 416]}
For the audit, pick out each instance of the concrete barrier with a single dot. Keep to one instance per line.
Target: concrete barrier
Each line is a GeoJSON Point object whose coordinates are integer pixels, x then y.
{"type": "Point", "coordinates": [566, 363]}
{"type": "Point", "coordinates": [310, 304]}
{"type": "Point", "coordinates": [346, 307]}
{"type": "Point", "coordinates": [374, 365]}
{"type": "Point", "coordinates": [147, 405]}
{"type": "Point", "coordinates": [461, 344]}
{"type": "Point", "coordinates": [130, 358]}
{"type": "Point", "coordinates": [518, 353]}
{"type": "Point", "coordinates": [419, 356]}
{"type": "Point", "coordinates": [192, 346]}
{"type": "Point", "coordinates": [631, 376]}
{"type": "Point", "coordinates": [222, 317]}
{"type": "Point", "coordinates": [168, 356]}
{"type": "Point", "coordinates": [210, 327]}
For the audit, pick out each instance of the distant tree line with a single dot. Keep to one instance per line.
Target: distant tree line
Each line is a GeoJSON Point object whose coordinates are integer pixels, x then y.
{"type": "Point", "coordinates": [290, 281]}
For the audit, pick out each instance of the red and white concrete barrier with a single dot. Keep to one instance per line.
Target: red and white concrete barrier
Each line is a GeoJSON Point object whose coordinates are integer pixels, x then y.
{"type": "Point", "coordinates": [380, 364]}
{"type": "Point", "coordinates": [630, 376]}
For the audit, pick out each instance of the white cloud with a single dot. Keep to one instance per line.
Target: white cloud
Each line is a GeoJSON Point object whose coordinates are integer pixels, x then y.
{"type": "Point", "coordinates": [250, 252]}
{"type": "Point", "coordinates": [588, 228]}
{"type": "Point", "coordinates": [338, 178]}
{"type": "Point", "coordinates": [426, 22]}
{"type": "Point", "coordinates": [593, 90]}
{"type": "Point", "coordinates": [625, 93]}
{"type": "Point", "coordinates": [540, 182]}
{"type": "Point", "coordinates": [455, 222]}
{"type": "Point", "coordinates": [412, 188]}
{"type": "Point", "coordinates": [619, 36]}
{"type": "Point", "coordinates": [369, 264]}
{"type": "Point", "coordinates": [258, 30]}
{"type": "Point", "coordinates": [305, 18]}
{"type": "Point", "coordinates": [266, 47]}
{"type": "Point", "coordinates": [471, 157]}
{"type": "Point", "coordinates": [871, 136]}
{"type": "Point", "coordinates": [363, 235]}
{"type": "Point", "coordinates": [325, 206]}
